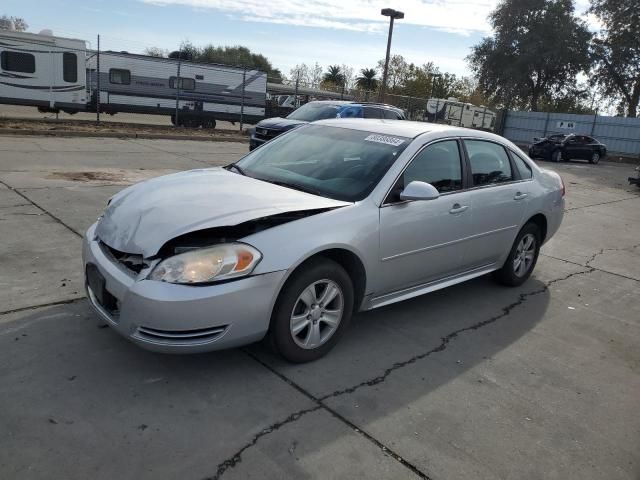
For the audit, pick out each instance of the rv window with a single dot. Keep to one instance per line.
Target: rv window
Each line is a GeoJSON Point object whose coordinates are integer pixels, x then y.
{"type": "Point", "coordinates": [184, 84]}
{"type": "Point", "coordinates": [18, 62]}
{"type": "Point", "coordinates": [119, 76]}
{"type": "Point", "coordinates": [69, 67]}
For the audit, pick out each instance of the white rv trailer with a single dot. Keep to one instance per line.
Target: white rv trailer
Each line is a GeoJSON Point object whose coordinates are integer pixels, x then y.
{"type": "Point", "coordinates": [460, 114]}
{"type": "Point", "coordinates": [56, 73]}
{"type": "Point", "coordinates": [142, 84]}
{"type": "Point", "coordinates": [44, 71]}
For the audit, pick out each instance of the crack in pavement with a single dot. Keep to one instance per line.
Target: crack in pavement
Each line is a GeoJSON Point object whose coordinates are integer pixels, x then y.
{"type": "Point", "coordinates": [321, 405]}
{"type": "Point", "coordinates": [444, 341]}
{"type": "Point", "coordinates": [51, 215]}
{"type": "Point", "coordinates": [595, 268]}
{"type": "Point", "coordinates": [603, 250]}
{"type": "Point", "coordinates": [320, 401]}
{"type": "Point", "coordinates": [603, 203]}
{"type": "Point", "coordinates": [237, 457]}
{"type": "Point", "coordinates": [50, 304]}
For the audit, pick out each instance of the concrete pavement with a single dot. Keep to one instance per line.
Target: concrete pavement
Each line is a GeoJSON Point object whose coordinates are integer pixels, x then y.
{"type": "Point", "coordinates": [475, 381]}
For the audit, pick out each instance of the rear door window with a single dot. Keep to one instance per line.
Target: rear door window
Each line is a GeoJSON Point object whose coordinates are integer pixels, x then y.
{"type": "Point", "coordinates": [489, 163]}
{"type": "Point", "coordinates": [523, 167]}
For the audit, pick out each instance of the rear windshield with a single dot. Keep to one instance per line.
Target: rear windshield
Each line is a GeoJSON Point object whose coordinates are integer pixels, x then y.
{"type": "Point", "coordinates": [332, 162]}
{"type": "Point", "coordinates": [315, 111]}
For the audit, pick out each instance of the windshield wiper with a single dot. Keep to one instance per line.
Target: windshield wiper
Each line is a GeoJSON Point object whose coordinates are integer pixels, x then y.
{"type": "Point", "coordinates": [237, 168]}
{"type": "Point", "coordinates": [296, 186]}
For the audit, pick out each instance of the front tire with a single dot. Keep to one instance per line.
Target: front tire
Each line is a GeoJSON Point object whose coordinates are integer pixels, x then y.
{"type": "Point", "coordinates": [522, 257]}
{"type": "Point", "coordinates": [595, 158]}
{"type": "Point", "coordinates": [312, 311]}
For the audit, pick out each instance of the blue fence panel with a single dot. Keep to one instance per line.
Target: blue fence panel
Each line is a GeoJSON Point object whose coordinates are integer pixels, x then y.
{"type": "Point", "coordinates": [620, 134]}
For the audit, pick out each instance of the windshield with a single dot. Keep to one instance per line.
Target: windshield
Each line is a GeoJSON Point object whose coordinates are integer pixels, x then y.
{"type": "Point", "coordinates": [333, 162]}
{"type": "Point", "coordinates": [314, 111]}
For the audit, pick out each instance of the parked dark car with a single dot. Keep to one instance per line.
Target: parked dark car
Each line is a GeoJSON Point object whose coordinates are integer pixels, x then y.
{"type": "Point", "coordinates": [558, 148]}
{"type": "Point", "coordinates": [269, 128]}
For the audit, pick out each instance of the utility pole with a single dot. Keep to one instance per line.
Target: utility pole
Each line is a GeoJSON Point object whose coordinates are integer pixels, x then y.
{"type": "Point", "coordinates": [244, 79]}
{"type": "Point", "coordinates": [98, 84]}
{"type": "Point", "coordinates": [178, 86]}
{"type": "Point", "coordinates": [392, 14]}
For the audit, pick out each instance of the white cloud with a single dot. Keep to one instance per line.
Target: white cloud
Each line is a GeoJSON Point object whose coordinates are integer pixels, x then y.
{"type": "Point", "coordinates": [456, 16]}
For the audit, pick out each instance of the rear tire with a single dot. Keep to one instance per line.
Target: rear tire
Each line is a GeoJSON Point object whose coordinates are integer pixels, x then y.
{"type": "Point", "coordinates": [557, 156]}
{"type": "Point", "coordinates": [303, 327]}
{"type": "Point", "coordinates": [522, 258]}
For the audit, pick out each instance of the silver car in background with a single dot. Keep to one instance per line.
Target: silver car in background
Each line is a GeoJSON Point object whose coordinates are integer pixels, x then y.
{"type": "Point", "coordinates": [329, 219]}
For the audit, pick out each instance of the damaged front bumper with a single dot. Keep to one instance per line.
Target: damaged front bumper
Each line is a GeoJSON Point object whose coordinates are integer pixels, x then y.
{"type": "Point", "coordinates": [173, 318]}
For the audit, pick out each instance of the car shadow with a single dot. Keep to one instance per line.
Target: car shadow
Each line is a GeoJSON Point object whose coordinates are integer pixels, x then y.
{"type": "Point", "coordinates": [61, 370]}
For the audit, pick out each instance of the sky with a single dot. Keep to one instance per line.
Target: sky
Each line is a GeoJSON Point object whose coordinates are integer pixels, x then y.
{"type": "Point", "coordinates": [287, 32]}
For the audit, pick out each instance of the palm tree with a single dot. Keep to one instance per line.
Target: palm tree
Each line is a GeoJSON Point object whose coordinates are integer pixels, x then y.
{"type": "Point", "coordinates": [333, 75]}
{"type": "Point", "coordinates": [367, 79]}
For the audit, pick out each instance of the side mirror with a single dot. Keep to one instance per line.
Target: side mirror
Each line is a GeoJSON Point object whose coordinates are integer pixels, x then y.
{"type": "Point", "coordinates": [419, 191]}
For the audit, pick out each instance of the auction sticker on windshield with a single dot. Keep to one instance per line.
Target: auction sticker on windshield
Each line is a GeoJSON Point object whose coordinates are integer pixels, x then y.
{"type": "Point", "coordinates": [385, 139]}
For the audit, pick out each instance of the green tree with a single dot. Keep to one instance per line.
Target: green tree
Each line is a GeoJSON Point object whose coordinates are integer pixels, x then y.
{"type": "Point", "coordinates": [616, 52]}
{"type": "Point", "coordinates": [367, 79]}
{"type": "Point", "coordinates": [333, 76]}
{"type": "Point", "coordinates": [538, 48]}
{"type": "Point", "coordinates": [13, 24]}
{"type": "Point", "coordinates": [398, 73]}
{"type": "Point", "coordinates": [234, 56]}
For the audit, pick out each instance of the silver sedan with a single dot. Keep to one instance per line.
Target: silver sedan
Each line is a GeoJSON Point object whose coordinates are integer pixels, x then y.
{"type": "Point", "coordinates": [329, 219]}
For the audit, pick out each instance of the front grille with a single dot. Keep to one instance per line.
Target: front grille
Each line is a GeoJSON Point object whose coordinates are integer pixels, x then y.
{"type": "Point", "coordinates": [266, 133]}
{"type": "Point", "coordinates": [182, 337]}
{"type": "Point", "coordinates": [131, 261]}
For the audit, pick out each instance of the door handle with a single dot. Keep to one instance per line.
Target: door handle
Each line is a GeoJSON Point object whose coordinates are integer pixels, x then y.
{"type": "Point", "coordinates": [457, 208]}
{"type": "Point", "coordinates": [520, 196]}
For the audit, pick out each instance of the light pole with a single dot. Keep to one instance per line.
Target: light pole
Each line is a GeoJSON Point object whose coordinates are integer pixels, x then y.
{"type": "Point", "coordinates": [393, 15]}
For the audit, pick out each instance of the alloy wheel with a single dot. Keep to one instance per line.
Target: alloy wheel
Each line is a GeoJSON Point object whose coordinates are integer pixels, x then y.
{"type": "Point", "coordinates": [595, 158]}
{"type": "Point", "coordinates": [317, 314]}
{"type": "Point", "coordinates": [525, 255]}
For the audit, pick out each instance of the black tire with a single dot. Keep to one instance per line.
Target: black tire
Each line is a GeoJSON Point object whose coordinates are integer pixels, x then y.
{"type": "Point", "coordinates": [557, 156]}
{"type": "Point", "coordinates": [280, 335]}
{"type": "Point", "coordinates": [507, 274]}
{"type": "Point", "coordinates": [595, 158]}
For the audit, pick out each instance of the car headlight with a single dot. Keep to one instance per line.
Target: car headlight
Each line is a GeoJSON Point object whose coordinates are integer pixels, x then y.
{"type": "Point", "coordinates": [210, 264]}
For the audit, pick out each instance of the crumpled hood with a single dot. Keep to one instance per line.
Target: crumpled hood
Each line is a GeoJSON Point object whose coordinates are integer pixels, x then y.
{"type": "Point", "coordinates": [278, 123]}
{"type": "Point", "coordinates": [143, 217]}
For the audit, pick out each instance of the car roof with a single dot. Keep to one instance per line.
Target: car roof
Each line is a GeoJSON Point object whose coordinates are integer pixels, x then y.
{"type": "Point", "coordinates": [405, 128]}
{"type": "Point", "coordinates": [353, 102]}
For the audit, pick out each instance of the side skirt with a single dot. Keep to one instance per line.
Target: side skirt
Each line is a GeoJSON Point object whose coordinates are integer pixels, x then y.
{"type": "Point", "coordinates": [406, 293]}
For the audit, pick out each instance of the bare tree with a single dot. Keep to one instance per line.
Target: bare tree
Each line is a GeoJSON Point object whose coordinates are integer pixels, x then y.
{"type": "Point", "coordinates": [348, 76]}
{"type": "Point", "coordinates": [156, 52]}
{"type": "Point", "coordinates": [13, 24]}
{"type": "Point", "coordinates": [315, 75]}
